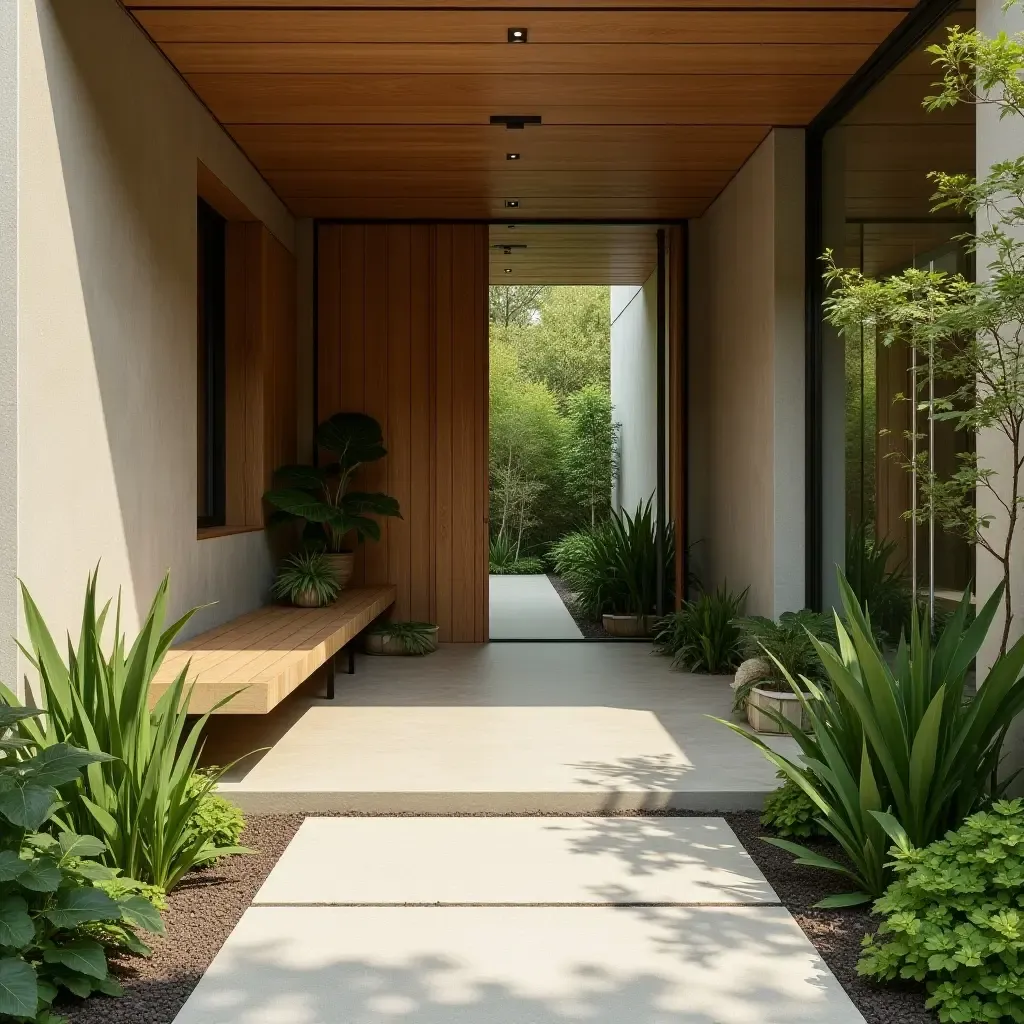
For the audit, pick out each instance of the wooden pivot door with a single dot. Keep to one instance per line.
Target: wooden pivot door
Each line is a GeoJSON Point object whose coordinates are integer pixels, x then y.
{"type": "Point", "coordinates": [402, 335]}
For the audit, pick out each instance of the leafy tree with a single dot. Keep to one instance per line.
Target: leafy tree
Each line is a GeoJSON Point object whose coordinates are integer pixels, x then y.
{"type": "Point", "coordinates": [525, 440]}
{"type": "Point", "coordinates": [514, 305]}
{"type": "Point", "coordinates": [589, 451]}
{"type": "Point", "coordinates": [973, 331]}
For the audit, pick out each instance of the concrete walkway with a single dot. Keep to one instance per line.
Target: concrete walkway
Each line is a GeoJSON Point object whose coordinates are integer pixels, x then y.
{"type": "Point", "coordinates": [499, 729]}
{"type": "Point", "coordinates": [529, 608]}
{"type": "Point", "coordinates": [517, 921]}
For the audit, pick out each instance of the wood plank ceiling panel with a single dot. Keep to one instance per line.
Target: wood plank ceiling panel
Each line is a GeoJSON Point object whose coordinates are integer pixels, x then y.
{"type": "Point", "coordinates": [380, 109]}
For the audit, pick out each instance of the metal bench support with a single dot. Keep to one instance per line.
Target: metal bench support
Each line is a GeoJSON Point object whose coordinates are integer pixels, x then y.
{"type": "Point", "coordinates": [335, 666]}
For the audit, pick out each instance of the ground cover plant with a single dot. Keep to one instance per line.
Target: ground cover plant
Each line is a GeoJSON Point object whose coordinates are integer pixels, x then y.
{"type": "Point", "coordinates": [50, 884]}
{"type": "Point", "coordinates": [789, 812]}
{"type": "Point", "coordinates": [704, 635]}
{"type": "Point", "coordinates": [897, 752]}
{"type": "Point", "coordinates": [140, 794]}
{"type": "Point", "coordinates": [953, 919]}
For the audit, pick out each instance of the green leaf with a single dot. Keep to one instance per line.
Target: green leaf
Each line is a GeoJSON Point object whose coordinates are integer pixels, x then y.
{"type": "Point", "coordinates": [138, 911]}
{"type": "Point", "coordinates": [16, 927]}
{"type": "Point", "coordinates": [41, 874]}
{"type": "Point", "coordinates": [11, 865]}
{"type": "Point", "coordinates": [72, 845]}
{"type": "Point", "coordinates": [27, 806]}
{"type": "Point", "coordinates": [846, 899]}
{"type": "Point", "coordinates": [808, 858]}
{"type": "Point", "coordinates": [78, 906]}
{"type": "Point", "coordinates": [18, 988]}
{"type": "Point", "coordinates": [83, 956]}
{"type": "Point", "coordinates": [58, 764]}
{"type": "Point", "coordinates": [93, 871]}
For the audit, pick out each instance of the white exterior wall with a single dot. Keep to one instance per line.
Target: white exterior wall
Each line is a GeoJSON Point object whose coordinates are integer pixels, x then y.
{"type": "Point", "coordinates": [108, 142]}
{"type": "Point", "coordinates": [746, 389]}
{"type": "Point", "coordinates": [999, 140]}
{"type": "Point", "coordinates": [634, 389]}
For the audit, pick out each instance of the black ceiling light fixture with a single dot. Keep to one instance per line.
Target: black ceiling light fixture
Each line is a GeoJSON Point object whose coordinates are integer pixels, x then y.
{"type": "Point", "coordinates": [518, 35]}
{"type": "Point", "coordinates": [516, 121]}
{"type": "Point", "coordinates": [511, 204]}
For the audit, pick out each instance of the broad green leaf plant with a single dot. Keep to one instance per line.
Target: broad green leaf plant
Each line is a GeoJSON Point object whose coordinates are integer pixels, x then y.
{"type": "Point", "coordinates": [142, 799]}
{"type": "Point", "coordinates": [972, 331]}
{"type": "Point", "coordinates": [954, 919]}
{"type": "Point", "coordinates": [897, 752]}
{"type": "Point", "coordinates": [51, 893]}
{"type": "Point", "coordinates": [320, 495]}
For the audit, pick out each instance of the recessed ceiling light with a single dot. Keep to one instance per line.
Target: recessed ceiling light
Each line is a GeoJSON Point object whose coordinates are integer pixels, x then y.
{"type": "Point", "coordinates": [513, 156]}
{"type": "Point", "coordinates": [511, 204]}
{"type": "Point", "coordinates": [518, 35]}
{"type": "Point", "coordinates": [508, 270]}
{"type": "Point", "coordinates": [511, 227]}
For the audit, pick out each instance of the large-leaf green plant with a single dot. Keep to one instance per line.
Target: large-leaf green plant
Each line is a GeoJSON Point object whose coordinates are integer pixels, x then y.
{"type": "Point", "coordinates": [142, 799]}
{"type": "Point", "coordinates": [320, 495]}
{"type": "Point", "coordinates": [50, 884]}
{"type": "Point", "coordinates": [898, 752]}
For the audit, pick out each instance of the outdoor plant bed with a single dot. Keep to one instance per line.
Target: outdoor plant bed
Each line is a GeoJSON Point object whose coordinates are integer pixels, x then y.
{"type": "Point", "coordinates": [588, 627]}
{"type": "Point", "coordinates": [204, 910]}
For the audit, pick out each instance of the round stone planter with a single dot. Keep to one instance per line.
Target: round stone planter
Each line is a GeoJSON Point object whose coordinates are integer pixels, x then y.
{"type": "Point", "coordinates": [306, 599]}
{"type": "Point", "coordinates": [342, 563]}
{"type": "Point", "coordinates": [628, 625]}
{"type": "Point", "coordinates": [382, 643]}
{"type": "Point", "coordinates": [784, 703]}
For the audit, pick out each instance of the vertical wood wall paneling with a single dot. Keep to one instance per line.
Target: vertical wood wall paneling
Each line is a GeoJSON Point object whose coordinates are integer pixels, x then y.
{"type": "Point", "coordinates": [403, 322]}
{"type": "Point", "coordinates": [260, 372]}
{"type": "Point", "coordinates": [677, 401]}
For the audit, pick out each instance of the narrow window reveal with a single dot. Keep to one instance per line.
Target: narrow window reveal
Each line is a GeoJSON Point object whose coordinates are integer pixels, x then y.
{"type": "Point", "coordinates": [210, 366]}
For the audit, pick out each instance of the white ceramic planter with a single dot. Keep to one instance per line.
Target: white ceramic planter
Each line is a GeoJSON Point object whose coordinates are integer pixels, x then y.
{"type": "Point", "coordinates": [784, 703]}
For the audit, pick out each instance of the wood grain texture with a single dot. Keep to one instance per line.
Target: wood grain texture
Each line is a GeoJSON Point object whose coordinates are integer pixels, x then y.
{"type": "Point", "coordinates": [403, 336]}
{"type": "Point", "coordinates": [268, 653]}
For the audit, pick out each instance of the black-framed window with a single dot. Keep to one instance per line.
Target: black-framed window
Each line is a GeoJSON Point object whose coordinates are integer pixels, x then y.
{"type": "Point", "coordinates": [210, 342]}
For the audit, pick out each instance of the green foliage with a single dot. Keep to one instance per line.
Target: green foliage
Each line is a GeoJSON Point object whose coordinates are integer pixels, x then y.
{"type": "Point", "coordinates": [505, 559]}
{"type": "Point", "coordinates": [704, 634]}
{"type": "Point", "coordinates": [613, 568]}
{"type": "Point", "coordinates": [219, 820]}
{"type": "Point", "coordinates": [320, 495]}
{"type": "Point", "coordinates": [588, 456]}
{"type": "Point", "coordinates": [877, 583]}
{"type": "Point", "coordinates": [514, 305]}
{"type": "Point", "coordinates": [954, 919]}
{"type": "Point", "coordinates": [790, 812]}
{"type": "Point", "coordinates": [971, 332]}
{"type": "Point", "coordinates": [139, 800]}
{"type": "Point", "coordinates": [898, 750]}
{"type": "Point", "coordinates": [415, 637]}
{"type": "Point", "coordinates": [305, 575]}
{"type": "Point", "coordinates": [49, 885]}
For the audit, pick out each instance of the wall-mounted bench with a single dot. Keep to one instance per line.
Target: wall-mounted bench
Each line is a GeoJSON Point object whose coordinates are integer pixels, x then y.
{"type": "Point", "coordinates": [269, 652]}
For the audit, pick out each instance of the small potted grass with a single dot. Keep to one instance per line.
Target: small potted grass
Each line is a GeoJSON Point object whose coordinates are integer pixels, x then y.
{"type": "Point", "coordinates": [307, 580]}
{"type": "Point", "coordinates": [402, 638]}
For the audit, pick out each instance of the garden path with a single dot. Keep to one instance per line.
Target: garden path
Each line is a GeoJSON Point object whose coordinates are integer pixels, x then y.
{"type": "Point", "coordinates": [529, 608]}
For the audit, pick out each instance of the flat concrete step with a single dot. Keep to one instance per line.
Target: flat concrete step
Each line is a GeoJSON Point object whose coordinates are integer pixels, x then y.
{"type": "Point", "coordinates": [524, 861]}
{"type": "Point", "coordinates": [518, 965]}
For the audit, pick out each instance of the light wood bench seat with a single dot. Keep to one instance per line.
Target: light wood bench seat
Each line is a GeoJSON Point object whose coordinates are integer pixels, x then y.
{"type": "Point", "coordinates": [269, 652]}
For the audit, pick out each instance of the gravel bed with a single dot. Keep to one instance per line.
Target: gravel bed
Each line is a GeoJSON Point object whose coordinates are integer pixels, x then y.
{"type": "Point", "coordinates": [204, 911]}
{"type": "Point", "coordinates": [590, 630]}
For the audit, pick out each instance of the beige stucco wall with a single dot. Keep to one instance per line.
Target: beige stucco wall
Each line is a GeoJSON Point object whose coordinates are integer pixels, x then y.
{"type": "Point", "coordinates": [108, 143]}
{"type": "Point", "coordinates": [746, 388]}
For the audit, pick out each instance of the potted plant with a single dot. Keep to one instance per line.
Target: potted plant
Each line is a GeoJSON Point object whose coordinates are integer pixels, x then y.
{"type": "Point", "coordinates": [402, 638]}
{"type": "Point", "coordinates": [307, 579]}
{"type": "Point", "coordinates": [320, 496]}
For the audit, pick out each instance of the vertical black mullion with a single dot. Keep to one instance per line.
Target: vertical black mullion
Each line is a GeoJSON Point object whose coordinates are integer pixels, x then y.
{"type": "Point", "coordinates": [213, 238]}
{"type": "Point", "coordinates": [813, 390]}
{"type": "Point", "coordinates": [661, 526]}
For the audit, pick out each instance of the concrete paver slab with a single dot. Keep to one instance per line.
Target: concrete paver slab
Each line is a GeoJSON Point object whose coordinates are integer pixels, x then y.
{"type": "Point", "coordinates": [529, 608]}
{"type": "Point", "coordinates": [618, 860]}
{"type": "Point", "coordinates": [512, 965]}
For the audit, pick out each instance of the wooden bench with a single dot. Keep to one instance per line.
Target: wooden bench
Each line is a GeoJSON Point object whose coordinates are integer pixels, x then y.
{"type": "Point", "coordinates": [269, 652]}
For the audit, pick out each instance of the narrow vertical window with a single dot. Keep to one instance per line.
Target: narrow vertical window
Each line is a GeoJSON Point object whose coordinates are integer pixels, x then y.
{"type": "Point", "coordinates": [210, 366]}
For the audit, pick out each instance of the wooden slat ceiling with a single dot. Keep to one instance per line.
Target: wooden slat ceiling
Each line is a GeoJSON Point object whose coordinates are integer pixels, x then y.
{"type": "Point", "coordinates": [572, 253]}
{"type": "Point", "coordinates": [381, 108]}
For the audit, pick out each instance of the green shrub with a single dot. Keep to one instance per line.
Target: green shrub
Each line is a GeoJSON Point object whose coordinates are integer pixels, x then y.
{"type": "Point", "coordinates": [789, 644]}
{"type": "Point", "coordinates": [139, 801]}
{"type": "Point", "coordinates": [219, 820]}
{"type": "Point", "coordinates": [306, 577]}
{"type": "Point", "coordinates": [896, 751]}
{"type": "Point", "coordinates": [790, 812]}
{"type": "Point", "coordinates": [704, 635]}
{"type": "Point", "coordinates": [954, 919]}
{"type": "Point", "coordinates": [506, 559]}
{"type": "Point", "coordinates": [51, 886]}
{"type": "Point", "coordinates": [613, 568]}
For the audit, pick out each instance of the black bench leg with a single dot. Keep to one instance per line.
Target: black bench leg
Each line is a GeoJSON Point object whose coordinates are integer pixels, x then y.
{"type": "Point", "coordinates": [335, 666]}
